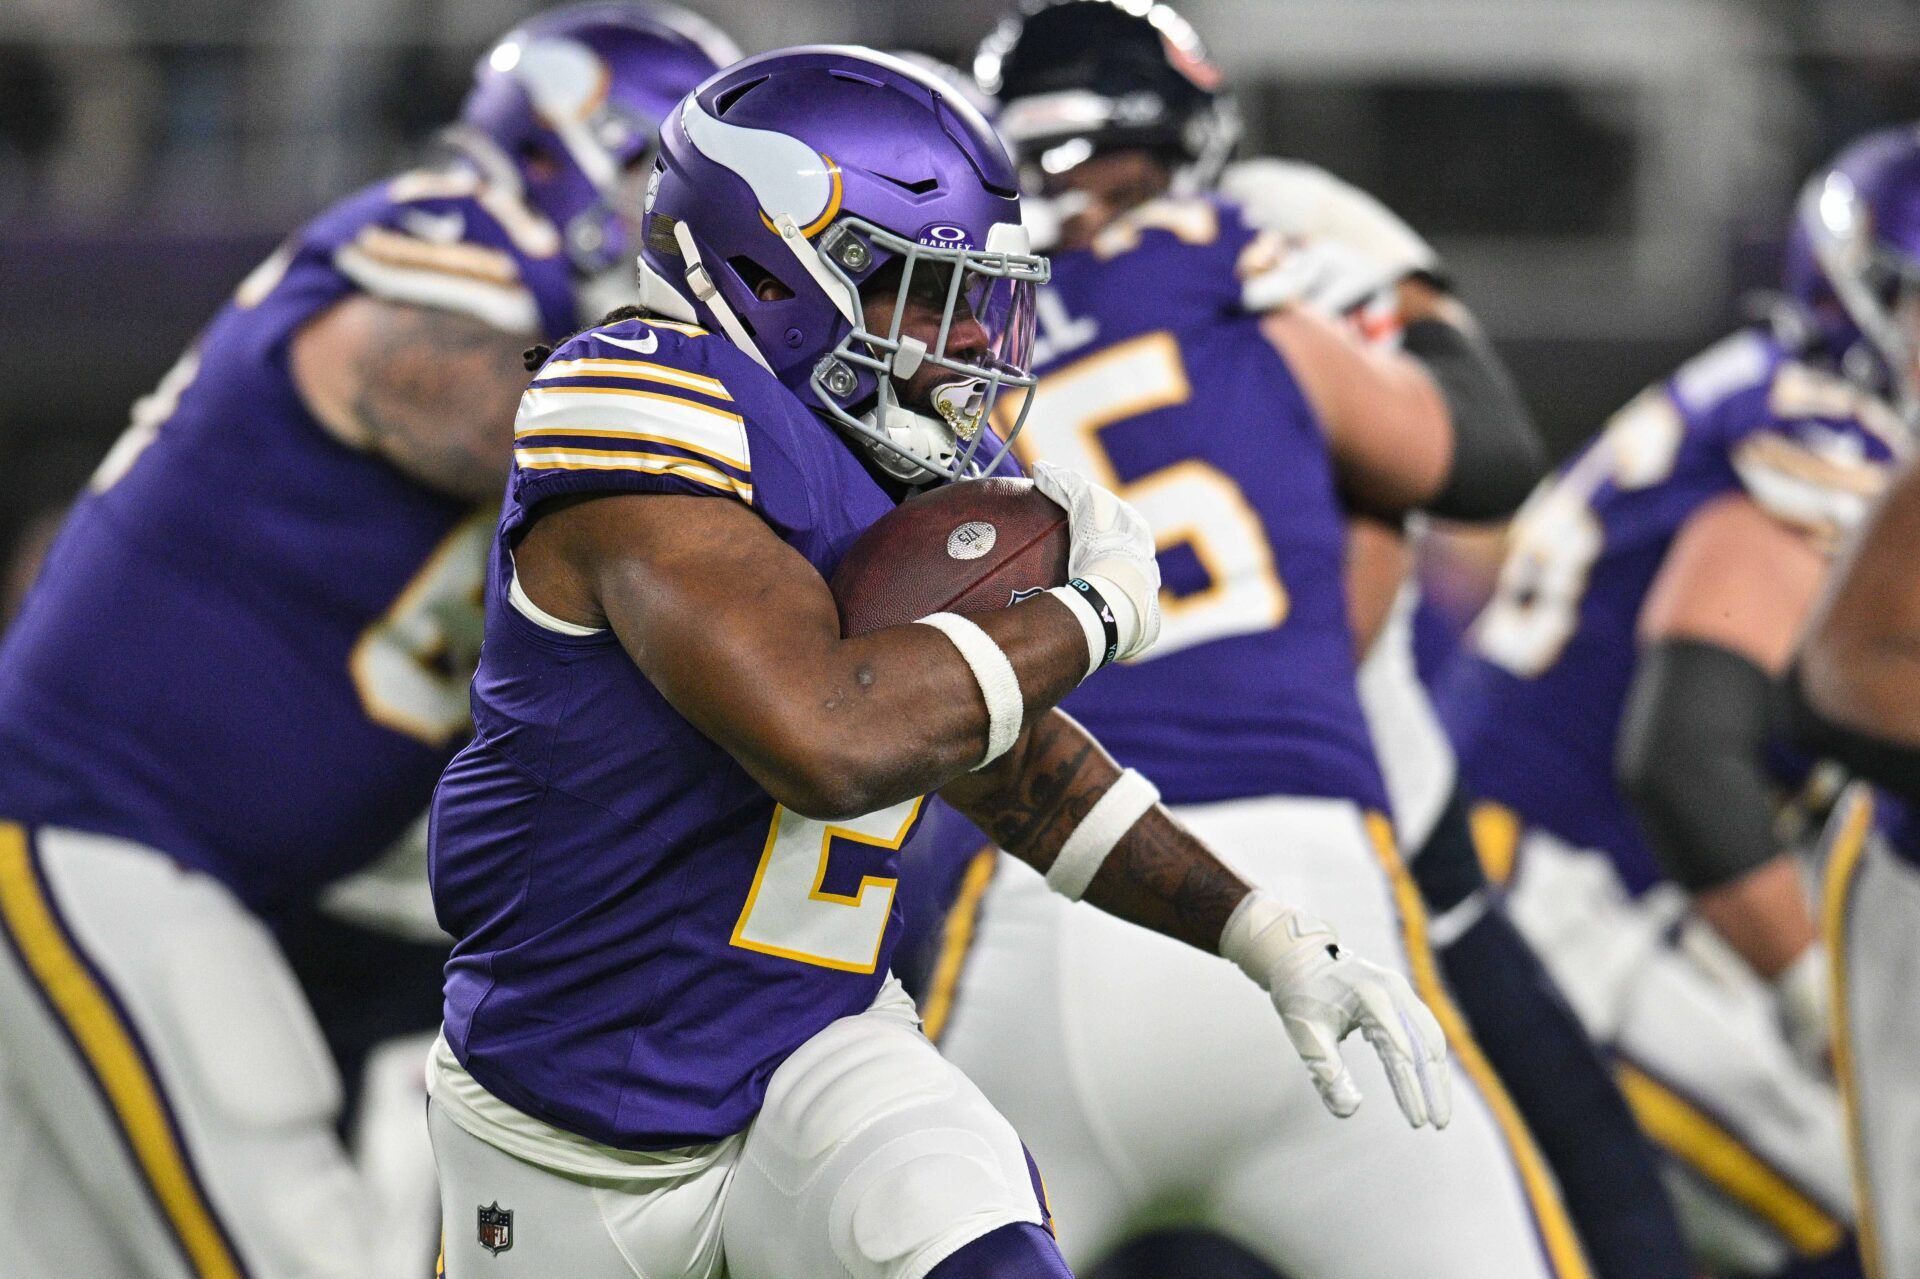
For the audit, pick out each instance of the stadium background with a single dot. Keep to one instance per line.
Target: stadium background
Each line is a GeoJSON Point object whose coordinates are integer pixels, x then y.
{"type": "Point", "coordinates": [1609, 179]}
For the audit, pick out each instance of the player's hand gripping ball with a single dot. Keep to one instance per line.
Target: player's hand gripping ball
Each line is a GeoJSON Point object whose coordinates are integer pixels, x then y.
{"type": "Point", "coordinates": [968, 547]}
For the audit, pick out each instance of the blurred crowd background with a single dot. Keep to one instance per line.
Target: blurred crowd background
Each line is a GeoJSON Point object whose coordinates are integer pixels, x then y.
{"type": "Point", "coordinates": [1609, 179]}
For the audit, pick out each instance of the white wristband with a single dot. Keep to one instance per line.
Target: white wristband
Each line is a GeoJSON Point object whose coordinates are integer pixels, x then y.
{"type": "Point", "coordinates": [999, 686]}
{"type": "Point", "coordinates": [1111, 817]}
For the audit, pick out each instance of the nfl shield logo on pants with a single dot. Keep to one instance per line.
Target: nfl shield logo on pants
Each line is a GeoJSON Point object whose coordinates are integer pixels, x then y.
{"type": "Point", "coordinates": [496, 1228]}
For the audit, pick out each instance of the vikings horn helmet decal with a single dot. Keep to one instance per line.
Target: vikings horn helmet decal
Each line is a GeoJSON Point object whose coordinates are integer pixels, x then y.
{"type": "Point", "coordinates": [1853, 264]}
{"type": "Point", "coordinates": [565, 109]}
{"type": "Point", "coordinates": [789, 181]}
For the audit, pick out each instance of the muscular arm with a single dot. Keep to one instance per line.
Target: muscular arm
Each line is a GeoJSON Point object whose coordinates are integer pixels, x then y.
{"type": "Point", "coordinates": [741, 635]}
{"type": "Point", "coordinates": [1377, 563]}
{"type": "Point", "coordinates": [1385, 420]}
{"type": "Point", "coordinates": [431, 391]}
{"type": "Point", "coordinates": [1718, 623]}
{"type": "Point", "coordinates": [1860, 669]}
{"type": "Point", "coordinates": [1436, 426]}
{"type": "Point", "coordinates": [1158, 876]}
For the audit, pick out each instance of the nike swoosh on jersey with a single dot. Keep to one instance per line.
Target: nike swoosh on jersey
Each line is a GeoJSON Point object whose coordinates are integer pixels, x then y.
{"type": "Point", "coordinates": [645, 346]}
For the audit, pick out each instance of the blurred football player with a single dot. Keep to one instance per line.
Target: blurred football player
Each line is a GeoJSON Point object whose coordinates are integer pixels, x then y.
{"type": "Point", "coordinates": [246, 661]}
{"type": "Point", "coordinates": [1853, 695]}
{"type": "Point", "coordinates": [668, 856]}
{"type": "Point", "coordinates": [1175, 367]}
{"type": "Point", "coordinates": [1614, 700]}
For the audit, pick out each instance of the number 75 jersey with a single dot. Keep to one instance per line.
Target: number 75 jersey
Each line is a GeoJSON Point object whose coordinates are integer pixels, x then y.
{"type": "Point", "coordinates": [1533, 701]}
{"type": "Point", "coordinates": [1157, 382]}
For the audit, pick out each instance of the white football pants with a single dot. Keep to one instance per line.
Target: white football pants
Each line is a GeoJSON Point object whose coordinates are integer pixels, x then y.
{"type": "Point", "coordinates": [872, 1157]}
{"type": "Point", "coordinates": [166, 1100]}
{"type": "Point", "coordinates": [1149, 1077]}
{"type": "Point", "coordinates": [1872, 918]}
{"type": "Point", "coordinates": [1758, 1166]}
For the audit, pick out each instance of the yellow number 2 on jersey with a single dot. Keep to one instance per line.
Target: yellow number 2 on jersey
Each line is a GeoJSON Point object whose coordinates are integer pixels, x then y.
{"type": "Point", "coordinates": [791, 914]}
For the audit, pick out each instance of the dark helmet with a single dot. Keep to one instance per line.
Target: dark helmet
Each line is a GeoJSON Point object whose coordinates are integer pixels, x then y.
{"type": "Point", "coordinates": [1075, 78]}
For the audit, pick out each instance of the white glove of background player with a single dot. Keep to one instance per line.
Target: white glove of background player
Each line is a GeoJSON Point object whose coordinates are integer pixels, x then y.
{"type": "Point", "coordinates": [1298, 199]}
{"type": "Point", "coordinates": [1110, 546]}
{"type": "Point", "coordinates": [1323, 994]}
{"type": "Point", "coordinates": [1324, 274]}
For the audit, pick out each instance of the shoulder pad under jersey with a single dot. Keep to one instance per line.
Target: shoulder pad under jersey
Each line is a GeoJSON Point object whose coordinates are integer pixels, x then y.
{"type": "Point", "coordinates": [445, 238]}
{"type": "Point", "coordinates": [1806, 444]}
{"type": "Point", "coordinates": [643, 405]}
{"type": "Point", "coordinates": [1820, 452]}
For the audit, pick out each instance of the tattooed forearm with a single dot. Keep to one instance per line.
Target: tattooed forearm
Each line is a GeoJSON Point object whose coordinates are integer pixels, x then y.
{"type": "Point", "coordinates": [1159, 876]}
{"type": "Point", "coordinates": [1054, 781]}
{"type": "Point", "coordinates": [1162, 878]}
{"type": "Point", "coordinates": [436, 395]}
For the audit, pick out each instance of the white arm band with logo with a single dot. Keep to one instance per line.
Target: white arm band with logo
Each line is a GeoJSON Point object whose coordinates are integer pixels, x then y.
{"type": "Point", "coordinates": [999, 685]}
{"type": "Point", "coordinates": [1089, 618]}
{"type": "Point", "coordinates": [1112, 816]}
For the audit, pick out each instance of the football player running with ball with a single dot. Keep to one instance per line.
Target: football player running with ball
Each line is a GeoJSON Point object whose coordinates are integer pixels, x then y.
{"type": "Point", "coordinates": [672, 1045]}
{"type": "Point", "coordinates": [246, 662]}
{"type": "Point", "coordinates": [1178, 366]}
{"type": "Point", "coordinates": [1616, 697]}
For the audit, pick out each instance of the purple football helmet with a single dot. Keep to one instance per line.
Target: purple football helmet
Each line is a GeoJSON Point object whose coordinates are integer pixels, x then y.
{"type": "Point", "coordinates": [788, 181]}
{"type": "Point", "coordinates": [565, 107]}
{"type": "Point", "coordinates": [1853, 262]}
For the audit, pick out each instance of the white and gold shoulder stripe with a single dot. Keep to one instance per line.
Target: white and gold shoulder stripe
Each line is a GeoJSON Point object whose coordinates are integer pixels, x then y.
{"type": "Point", "coordinates": [633, 414]}
{"type": "Point", "coordinates": [1824, 493]}
{"type": "Point", "coordinates": [471, 279]}
{"type": "Point", "coordinates": [580, 459]}
{"type": "Point", "coordinates": [634, 370]}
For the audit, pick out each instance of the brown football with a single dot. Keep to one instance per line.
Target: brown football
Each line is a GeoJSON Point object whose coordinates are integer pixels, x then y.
{"type": "Point", "coordinates": [969, 547]}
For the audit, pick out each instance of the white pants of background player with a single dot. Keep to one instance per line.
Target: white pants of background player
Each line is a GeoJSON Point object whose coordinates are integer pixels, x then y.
{"type": "Point", "coordinates": [1148, 1076]}
{"type": "Point", "coordinates": [167, 1105]}
{"type": "Point", "coordinates": [872, 1158]}
{"type": "Point", "coordinates": [1872, 917]}
{"type": "Point", "coordinates": [1760, 1168]}
{"type": "Point", "coordinates": [1753, 1141]}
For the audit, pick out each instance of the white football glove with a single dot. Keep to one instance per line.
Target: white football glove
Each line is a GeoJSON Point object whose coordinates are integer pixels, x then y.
{"type": "Point", "coordinates": [1298, 199]}
{"type": "Point", "coordinates": [1323, 993]}
{"type": "Point", "coordinates": [1111, 546]}
{"type": "Point", "coordinates": [1324, 274]}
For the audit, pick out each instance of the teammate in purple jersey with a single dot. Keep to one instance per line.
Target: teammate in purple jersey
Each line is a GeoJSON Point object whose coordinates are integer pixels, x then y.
{"type": "Point", "coordinates": [246, 662]}
{"type": "Point", "coordinates": [1179, 365]}
{"type": "Point", "coordinates": [1350, 256]}
{"type": "Point", "coordinates": [1852, 692]}
{"type": "Point", "coordinates": [669, 853]}
{"type": "Point", "coordinates": [1615, 697]}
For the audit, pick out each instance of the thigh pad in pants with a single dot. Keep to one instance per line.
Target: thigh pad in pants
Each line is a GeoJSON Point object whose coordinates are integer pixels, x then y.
{"type": "Point", "coordinates": [872, 1156]}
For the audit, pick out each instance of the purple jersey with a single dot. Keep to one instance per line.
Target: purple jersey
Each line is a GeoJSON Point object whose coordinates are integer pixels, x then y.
{"type": "Point", "coordinates": [1534, 699]}
{"type": "Point", "coordinates": [643, 934]}
{"type": "Point", "coordinates": [246, 647]}
{"type": "Point", "coordinates": [1157, 382]}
